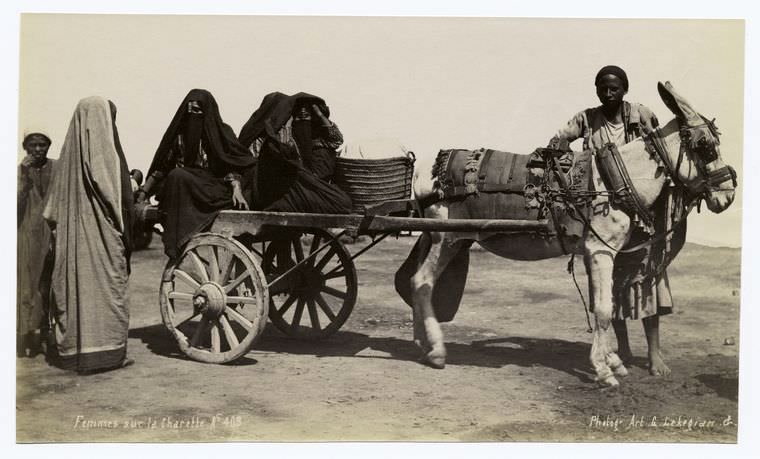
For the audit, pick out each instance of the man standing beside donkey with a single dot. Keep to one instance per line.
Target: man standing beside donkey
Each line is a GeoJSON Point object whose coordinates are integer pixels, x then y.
{"type": "Point", "coordinates": [640, 281]}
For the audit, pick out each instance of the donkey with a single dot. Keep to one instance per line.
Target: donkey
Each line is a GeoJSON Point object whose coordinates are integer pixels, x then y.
{"type": "Point", "coordinates": [690, 157]}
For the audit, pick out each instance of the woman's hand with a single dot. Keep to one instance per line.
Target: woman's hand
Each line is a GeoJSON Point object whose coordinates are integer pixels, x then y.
{"type": "Point", "coordinates": [238, 201]}
{"type": "Point", "coordinates": [325, 121]}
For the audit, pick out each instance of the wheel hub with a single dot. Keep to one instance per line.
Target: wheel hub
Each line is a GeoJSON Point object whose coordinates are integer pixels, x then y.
{"type": "Point", "coordinates": [312, 281]}
{"type": "Point", "coordinates": [210, 299]}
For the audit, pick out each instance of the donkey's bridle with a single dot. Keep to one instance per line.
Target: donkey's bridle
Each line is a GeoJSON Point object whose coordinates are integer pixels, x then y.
{"type": "Point", "coordinates": [706, 152]}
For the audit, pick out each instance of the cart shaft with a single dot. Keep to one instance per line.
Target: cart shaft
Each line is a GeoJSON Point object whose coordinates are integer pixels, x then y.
{"type": "Point", "coordinates": [233, 222]}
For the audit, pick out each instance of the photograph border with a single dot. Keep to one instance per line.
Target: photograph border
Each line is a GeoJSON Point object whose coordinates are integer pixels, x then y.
{"type": "Point", "coordinates": [748, 377]}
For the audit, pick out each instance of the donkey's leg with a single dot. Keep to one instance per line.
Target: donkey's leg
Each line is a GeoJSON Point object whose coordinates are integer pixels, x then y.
{"type": "Point", "coordinates": [419, 327]}
{"type": "Point", "coordinates": [616, 363]}
{"type": "Point", "coordinates": [599, 269]}
{"type": "Point", "coordinates": [616, 357]}
{"type": "Point", "coordinates": [657, 365]}
{"type": "Point", "coordinates": [423, 282]}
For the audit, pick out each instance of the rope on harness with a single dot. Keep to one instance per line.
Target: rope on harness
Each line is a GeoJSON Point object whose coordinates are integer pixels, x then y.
{"type": "Point", "coordinates": [571, 270]}
{"type": "Point", "coordinates": [642, 245]}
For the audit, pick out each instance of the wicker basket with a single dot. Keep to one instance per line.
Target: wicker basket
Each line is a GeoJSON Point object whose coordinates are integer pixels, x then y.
{"type": "Point", "coordinates": [373, 181]}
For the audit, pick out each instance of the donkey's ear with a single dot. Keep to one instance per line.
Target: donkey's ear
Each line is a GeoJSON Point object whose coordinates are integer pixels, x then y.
{"type": "Point", "coordinates": [677, 104]}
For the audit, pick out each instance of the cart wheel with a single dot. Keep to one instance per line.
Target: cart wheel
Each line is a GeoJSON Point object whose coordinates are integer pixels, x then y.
{"type": "Point", "coordinates": [324, 287]}
{"type": "Point", "coordinates": [213, 299]}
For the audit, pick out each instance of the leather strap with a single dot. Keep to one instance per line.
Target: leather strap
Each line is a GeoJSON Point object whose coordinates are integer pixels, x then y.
{"type": "Point", "coordinates": [615, 175]}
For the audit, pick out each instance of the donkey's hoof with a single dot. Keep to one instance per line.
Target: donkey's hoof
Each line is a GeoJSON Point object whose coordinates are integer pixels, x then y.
{"type": "Point", "coordinates": [435, 360]}
{"type": "Point", "coordinates": [620, 371]}
{"type": "Point", "coordinates": [609, 381]}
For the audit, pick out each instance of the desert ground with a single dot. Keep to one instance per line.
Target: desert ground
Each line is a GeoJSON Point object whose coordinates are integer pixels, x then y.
{"type": "Point", "coordinates": [517, 370]}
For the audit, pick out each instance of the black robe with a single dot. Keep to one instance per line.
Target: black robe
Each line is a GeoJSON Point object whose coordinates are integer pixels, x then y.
{"type": "Point", "coordinates": [191, 196]}
{"type": "Point", "coordinates": [285, 181]}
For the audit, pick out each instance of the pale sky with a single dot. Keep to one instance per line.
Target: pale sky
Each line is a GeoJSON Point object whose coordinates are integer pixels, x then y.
{"type": "Point", "coordinates": [428, 83]}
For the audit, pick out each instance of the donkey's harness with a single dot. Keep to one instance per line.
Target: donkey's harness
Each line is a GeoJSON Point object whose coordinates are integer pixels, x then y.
{"type": "Point", "coordinates": [614, 173]}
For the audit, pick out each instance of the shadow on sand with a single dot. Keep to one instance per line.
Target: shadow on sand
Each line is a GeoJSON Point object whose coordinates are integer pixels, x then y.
{"type": "Point", "coordinates": [158, 341]}
{"type": "Point", "coordinates": [570, 357]}
{"type": "Point", "coordinates": [725, 386]}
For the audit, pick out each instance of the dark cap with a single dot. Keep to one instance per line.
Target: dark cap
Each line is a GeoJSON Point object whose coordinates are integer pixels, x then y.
{"type": "Point", "coordinates": [612, 70]}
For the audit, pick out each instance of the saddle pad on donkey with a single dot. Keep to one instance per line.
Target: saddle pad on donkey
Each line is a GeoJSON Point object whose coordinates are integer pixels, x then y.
{"type": "Point", "coordinates": [460, 172]}
{"type": "Point", "coordinates": [495, 184]}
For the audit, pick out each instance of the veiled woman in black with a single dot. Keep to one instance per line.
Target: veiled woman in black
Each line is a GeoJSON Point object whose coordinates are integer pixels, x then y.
{"type": "Point", "coordinates": [296, 144]}
{"type": "Point", "coordinates": [197, 171]}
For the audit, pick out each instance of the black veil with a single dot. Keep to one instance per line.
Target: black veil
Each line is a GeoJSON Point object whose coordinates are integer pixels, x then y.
{"type": "Point", "coordinates": [276, 109]}
{"type": "Point", "coordinates": [222, 147]}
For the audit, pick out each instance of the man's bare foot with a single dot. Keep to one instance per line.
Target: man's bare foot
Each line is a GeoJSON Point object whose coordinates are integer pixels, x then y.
{"type": "Point", "coordinates": [657, 365]}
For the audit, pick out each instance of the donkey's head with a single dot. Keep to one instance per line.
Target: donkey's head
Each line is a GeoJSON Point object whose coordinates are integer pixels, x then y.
{"type": "Point", "coordinates": [700, 166]}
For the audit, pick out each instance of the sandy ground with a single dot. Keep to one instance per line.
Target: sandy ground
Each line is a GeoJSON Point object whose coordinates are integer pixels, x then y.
{"type": "Point", "coordinates": [517, 370]}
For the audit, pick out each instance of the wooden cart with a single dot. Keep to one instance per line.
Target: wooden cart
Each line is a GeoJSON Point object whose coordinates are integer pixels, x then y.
{"type": "Point", "coordinates": [291, 267]}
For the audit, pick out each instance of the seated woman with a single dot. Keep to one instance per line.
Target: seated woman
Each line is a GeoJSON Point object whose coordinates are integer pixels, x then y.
{"type": "Point", "coordinates": [296, 144]}
{"type": "Point", "coordinates": [197, 171]}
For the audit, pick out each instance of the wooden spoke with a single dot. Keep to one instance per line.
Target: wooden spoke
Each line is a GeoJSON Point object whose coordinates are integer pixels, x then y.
{"type": "Point", "coordinates": [315, 241]}
{"type": "Point", "coordinates": [324, 306]}
{"type": "Point", "coordinates": [180, 296]}
{"type": "Point", "coordinates": [297, 315]}
{"type": "Point", "coordinates": [226, 264]}
{"type": "Point", "coordinates": [216, 341]}
{"type": "Point", "coordinates": [199, 332]}
{"type": "Point", "coordinates": [298, 249]}
{"type": "Point", "coordinates": [286, 305]}
{"type": "Point", "coordinates": [242, 299]}
{"type": "Point", "coordinates": [334, 292]}
{"type": "Point", "coordinates": [199, 265]}
{"type": "Point", "coordinates": [313, 314]}
{"type": "Point", "coordinates": [213, 265]}
{"type": "Point", "coordinates": [229, 333]}
{"type": "Point", "coordinates": [178, 273]}
{"type": "Point", "coordinates": [235, 282]}
{"type": "Point", "coordinates": [334, 275]}
{"type": "Point", "coordinates": [239, 318]}
{"type": "Point", "coordinates": [326, 259]}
